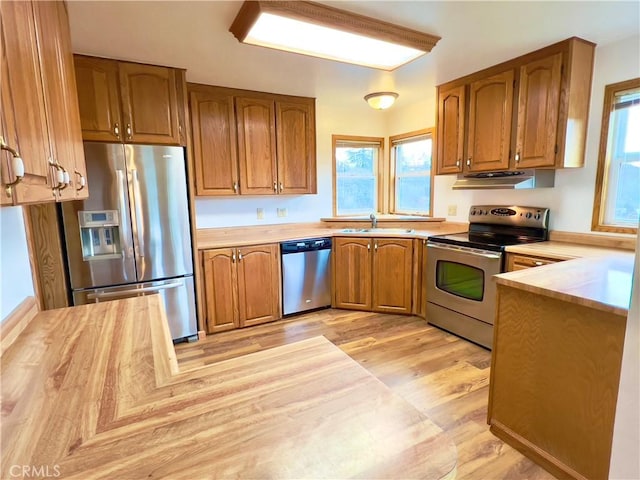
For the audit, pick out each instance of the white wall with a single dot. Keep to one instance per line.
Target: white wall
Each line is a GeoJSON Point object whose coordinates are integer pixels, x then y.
{"type": "Point", "coordinates": [16, 282]}
{"type": "Point", "coordinates": [571, 200]}
{"type": "Point", "coordinates": [625, 454]}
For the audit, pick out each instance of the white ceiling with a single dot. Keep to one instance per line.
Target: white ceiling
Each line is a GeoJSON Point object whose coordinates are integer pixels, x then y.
{"type": "Point", "coordinates": [195, 36]}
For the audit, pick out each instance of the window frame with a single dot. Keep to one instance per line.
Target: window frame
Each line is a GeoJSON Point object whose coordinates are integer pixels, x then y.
{"type": "Point", "coordinates": [602, 172]}
{"type": "Point", "coordinates": [417, 134]}
{"type": "Point", "coordinates": [355, 139]}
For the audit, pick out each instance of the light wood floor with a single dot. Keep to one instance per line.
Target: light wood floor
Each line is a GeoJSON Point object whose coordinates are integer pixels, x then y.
{"type": "Point", "coordinates": [441, 375]}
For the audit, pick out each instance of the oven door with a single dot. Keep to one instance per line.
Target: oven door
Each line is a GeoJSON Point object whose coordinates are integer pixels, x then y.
{"type": "Point", "coordinates": [459, 279]}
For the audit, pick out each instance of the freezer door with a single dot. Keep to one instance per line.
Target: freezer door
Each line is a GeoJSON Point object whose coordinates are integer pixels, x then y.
{"type": "Point", "coordinates": [106, 170]}
{"type": "Point", "coordinates": [177, 296]}
{"type": "Point", "coordinates": [159, 211]}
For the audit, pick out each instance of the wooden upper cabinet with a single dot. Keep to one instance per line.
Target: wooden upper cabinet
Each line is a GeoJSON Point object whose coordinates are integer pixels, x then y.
{"type": "Point", "coordinates": [538, 108]}
{"type": "Point", "coordinates": [392, 275]}
{"type": "Point", "coordinates": [214, 140]}
{"type": "Point", "coordinates": [543, 126]}
{"type": "Point", "coordinates": [258, 284]}
{"type": "Point", "coordinates": [490, 113]}
{"type": "Point", "coordinates": [221, 296]}
{"type": "Point", "coordinates": [129, 102]}
{"type": "Point", "coordinates": [451, 128]}
{"type": "Point", "coordinates": [99, 98]}
{"type": "Point", "coordinates": [41, 117]}
{"type": "Point", "coordinates": [255, 120]}
{"type": "Point", "coordinates": [149, 104]}
{"type": "Point", "coordinates": [352, 273]}
{"type": "Point", "coordinates": [60, 88]}
{"type": "Point", "coordinates": [296, 150]}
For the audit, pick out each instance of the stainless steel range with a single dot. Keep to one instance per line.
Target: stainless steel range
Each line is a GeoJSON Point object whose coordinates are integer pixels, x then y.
{"type": "Point", "coordinates": [460, 291]}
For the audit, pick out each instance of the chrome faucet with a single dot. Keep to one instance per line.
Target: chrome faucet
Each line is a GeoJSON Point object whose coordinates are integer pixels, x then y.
{"type": "Point", "coordinates": [374, 220]}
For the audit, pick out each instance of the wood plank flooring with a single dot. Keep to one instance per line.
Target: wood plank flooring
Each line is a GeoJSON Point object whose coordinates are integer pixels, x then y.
{"type": "Point", "coordinates": [441, 375]}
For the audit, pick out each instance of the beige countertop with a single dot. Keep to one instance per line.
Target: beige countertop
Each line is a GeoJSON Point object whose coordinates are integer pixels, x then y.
{"type": "Point", "coordinates": [601, 282]}
{"type": "Point", "coordinates": [255, 235]}
{"type": "Point", "coordinates": [95, 392]}
{"type": "Point", "coordinates": [561, 250]}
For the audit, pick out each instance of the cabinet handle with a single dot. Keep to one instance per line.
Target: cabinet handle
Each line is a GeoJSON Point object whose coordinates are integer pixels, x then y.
{"type": "Point", "coordinates": [424, 242]}
{"type": "Point", "coordinates": [235, 187]}
{"type": "Point", "coordinates": [61, 175]}
{"type": "Point", "coordinates": [469, 162]}
{"type": "Point", "coordinates": [458, 162]}
{"type": "Point", "coordinates": [116, 130]}
{"type": "Point", "coordinates": [375, 247]}
{"type": "Point", "coordinates": [17, 166]}
{"type": "Point", "coordinates": [233, 257]}
{"type": "Point", "coordinates": [280, 187]}
{"type": "Point", "coordinates": [517, 157]}
{"type": "Point", "coordinates": [537, 264]}
{"type": "Point", "coordinates": [369, 246]}
{"type": "Point", "coordinates": [275, 187]}
{"type": "Point", "coordinates": [81, 180]}
{"type": "Point", "coordinates": [129, 131]}
{"type": "Point", "coordinates": [239, 256]}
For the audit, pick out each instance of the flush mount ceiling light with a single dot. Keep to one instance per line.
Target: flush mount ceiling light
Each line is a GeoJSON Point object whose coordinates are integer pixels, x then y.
{"type": "Point", "coordinates": [314, 29]}
{"type": "Point", "coordinates": [381, 100]}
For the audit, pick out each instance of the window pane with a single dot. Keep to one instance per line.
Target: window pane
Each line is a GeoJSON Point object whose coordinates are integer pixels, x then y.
{"type": "Point", "coordinates": [355, 161]}
{"type": "Point", "coordinates": [413, 175]}
{"type": "Point", "coordinates": [413, 194]}
{"type": "Point", "coordinates": [356, 195]}
{"type": "Point", "coordinates": [413, 156]}
{"type": "Point", "coordinates": [622, 203]}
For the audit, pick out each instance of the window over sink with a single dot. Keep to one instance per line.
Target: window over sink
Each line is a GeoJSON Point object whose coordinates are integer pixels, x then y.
{"type": "Point", "coordinates": [356, 163]}
{"type": "Point", "coordinates": [617, 196]}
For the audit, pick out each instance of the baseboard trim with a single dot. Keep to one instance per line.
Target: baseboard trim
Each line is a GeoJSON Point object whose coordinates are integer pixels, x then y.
{"type": "Point", "coordinates": [14, 324]}
{"type": "Point", "coordinates": [535, 453]}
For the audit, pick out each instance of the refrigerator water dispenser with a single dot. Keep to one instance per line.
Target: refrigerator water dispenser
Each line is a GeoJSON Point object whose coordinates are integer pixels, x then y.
{"type": "Point", "coordinates": [99, 234]}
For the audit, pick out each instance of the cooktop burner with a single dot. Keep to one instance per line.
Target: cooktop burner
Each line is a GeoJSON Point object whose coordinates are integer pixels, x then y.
{"type": "Point", "coordinates": [496, 227]}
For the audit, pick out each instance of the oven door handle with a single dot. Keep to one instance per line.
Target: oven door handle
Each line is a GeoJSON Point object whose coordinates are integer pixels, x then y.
{"type": "Point", "coordinates": [469, 250]}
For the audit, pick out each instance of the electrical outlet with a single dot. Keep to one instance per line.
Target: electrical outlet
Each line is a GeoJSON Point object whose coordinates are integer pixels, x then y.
{"type": "Point", "coordinates": [260, 213]}
{"type": "Point", "coordinates": [452, 210]}
{"type": "Point", "coordinates": [282, 212]}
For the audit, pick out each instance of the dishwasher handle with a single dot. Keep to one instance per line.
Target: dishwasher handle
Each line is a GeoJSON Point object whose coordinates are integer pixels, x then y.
{"type": "Point", "coordinates": [308, 245]}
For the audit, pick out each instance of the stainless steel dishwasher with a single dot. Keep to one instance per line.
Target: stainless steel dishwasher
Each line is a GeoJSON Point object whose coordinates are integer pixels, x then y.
{"type": "Point", "coordinates": [306, 275]}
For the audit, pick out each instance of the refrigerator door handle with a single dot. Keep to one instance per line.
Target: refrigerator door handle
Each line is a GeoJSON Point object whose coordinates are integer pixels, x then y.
{"type": "Point", "coordinates": [138, 209]}
{"type": "Point", "coordinates": [122, 209]}
{"type": "Point", "coordinates": [98, 295]}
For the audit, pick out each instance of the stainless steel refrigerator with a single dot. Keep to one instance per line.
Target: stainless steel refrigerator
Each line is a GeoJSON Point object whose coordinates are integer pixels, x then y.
{"type": "Point", "coordinates": [132, 236]}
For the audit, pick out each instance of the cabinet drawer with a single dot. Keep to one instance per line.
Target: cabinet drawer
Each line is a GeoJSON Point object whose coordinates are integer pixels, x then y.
{"type": "Point", "coordinates": [520, 262]}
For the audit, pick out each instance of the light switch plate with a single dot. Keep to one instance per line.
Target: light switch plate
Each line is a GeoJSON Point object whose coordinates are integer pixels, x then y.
{"type": "Point", "coordinates": [282, 212]}
{"type": "Point", "coordinates": [260, 213]}
{"type": "Point", "coordinates": [452, 210]}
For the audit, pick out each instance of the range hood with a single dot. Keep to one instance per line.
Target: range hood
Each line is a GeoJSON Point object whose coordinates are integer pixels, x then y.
{"type": "Point", "coordinates": [511, 180]}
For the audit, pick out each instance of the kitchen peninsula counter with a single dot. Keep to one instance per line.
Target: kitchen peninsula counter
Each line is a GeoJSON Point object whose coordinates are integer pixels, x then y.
{"type": "Point", "coordinates": [95, 392]}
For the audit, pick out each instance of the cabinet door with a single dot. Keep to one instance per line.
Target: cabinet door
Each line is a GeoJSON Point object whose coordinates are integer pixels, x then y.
{"type": "Point", "coordinates": [490, 115]}
{"type": "Point", "coordinates": [392, 275]}
{"type": "Point", "coordinates": [451, 123]}
{"type": "Point", "coordinates": [149, 104]}
{"type": "Point", "coordinates": [56, 59]}
{"type": "Point", "coordinates": [25, 87]}
{"type": "Point", "coordinates": [98, 98]}
{"type": "Point", "coordinates": [7, 127]}
{"type": "Point", "coordinates": [220, 280]}
{"type": "Point", "coordinates": [214, 142]}
{"type": "Point", "coordinates": [255, 120]}
{"type": "Point", "coordinates": [352, 273]}
{"type": "Point", "coordinates": [295, 124]}
{"type": "Point", "coordinates": [538, 108]}
{"type": "Point", "coordinates": [258, 284]}
{"type": "Point", "coordinates": [419, 281]}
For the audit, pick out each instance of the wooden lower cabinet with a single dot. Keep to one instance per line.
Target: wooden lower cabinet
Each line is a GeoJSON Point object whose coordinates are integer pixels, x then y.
{"type": "Point", "coordinates": [419, 280]}
{"type": "Point", "coordinates": [520, 262]}
{"type": "Point", "coordinates": [373, 274]}
{"type": "Point", "coordinates": [242, 286]}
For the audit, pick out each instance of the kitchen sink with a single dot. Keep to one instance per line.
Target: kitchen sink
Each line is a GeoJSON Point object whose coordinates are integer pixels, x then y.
{"type": "Point", "coordinates": [378, 230]}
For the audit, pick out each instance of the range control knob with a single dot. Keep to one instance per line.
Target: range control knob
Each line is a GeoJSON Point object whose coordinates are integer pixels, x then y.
{"type": "Point", "coordinates": [473, 212]}
{"type": "Point", "coordinates": [528, 215]}
{"type": "Point", "coordinates": [537, 216]}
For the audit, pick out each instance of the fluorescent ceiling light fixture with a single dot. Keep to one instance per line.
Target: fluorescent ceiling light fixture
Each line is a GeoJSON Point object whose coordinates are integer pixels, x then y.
{"type": "Point", "coordinates": [314, 29]}
{"type": "Point", "coordinates": [381, 100]}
